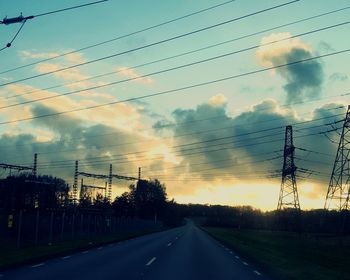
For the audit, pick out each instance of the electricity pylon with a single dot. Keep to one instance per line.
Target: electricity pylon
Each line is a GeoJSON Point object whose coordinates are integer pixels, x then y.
{"type": "Point", "coordinates": [288, 197]}
{"type": "Point", "coordinates": [339, 184]}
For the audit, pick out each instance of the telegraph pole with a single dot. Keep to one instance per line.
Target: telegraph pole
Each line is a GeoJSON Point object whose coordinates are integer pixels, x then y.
{"type": "Point", "coordinates": [75, 184]}
{"type": "Point", "coordinates": [35, 164]}
{"type": "Point", "coordinates": [110, 183]}
{"type": "Point", "coordinates": [288, 197]}
{"type": "Point", "coordinates": [339, 188]}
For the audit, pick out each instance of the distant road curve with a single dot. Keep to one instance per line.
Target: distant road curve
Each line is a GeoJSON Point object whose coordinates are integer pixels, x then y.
{"type": "Point", "coordinates": [181, 253]}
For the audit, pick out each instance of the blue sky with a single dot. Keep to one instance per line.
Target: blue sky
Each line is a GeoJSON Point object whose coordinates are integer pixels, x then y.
{"type": "Point", "coordinates": [67, 31]}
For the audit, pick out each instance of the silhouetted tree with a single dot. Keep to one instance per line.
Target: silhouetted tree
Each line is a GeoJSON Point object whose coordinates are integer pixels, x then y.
{"type": "Point", "coordinates": [28, 191]}
{"type": "Point", "coordinates": [149, 198]}
{"type": "Point", "coordinates": [124, 205]}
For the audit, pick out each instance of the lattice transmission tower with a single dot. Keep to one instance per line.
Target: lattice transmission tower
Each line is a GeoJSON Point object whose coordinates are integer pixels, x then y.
{"type": "Point", "coordinates": [288, 197]}
{"type": "Point", "coordinates": [339, 184]}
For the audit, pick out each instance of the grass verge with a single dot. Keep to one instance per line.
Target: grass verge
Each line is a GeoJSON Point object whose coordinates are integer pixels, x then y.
{"type": "Point", "coordinates": [286, 256]}
{"type": "Point", "coordinates": [10, 257]}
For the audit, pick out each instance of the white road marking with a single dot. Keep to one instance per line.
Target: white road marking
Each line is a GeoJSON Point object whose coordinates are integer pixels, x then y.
{"type": "Point", "coordinates": [99, 248]}
{"type": "Point", "coordinates": [237, 257]}
{"type": "Point", "coordinates": [151, 261]}
{"type": "Point", "coordinates": [231, 252]}
{"type": "Point", "coordinates": [85, 252]}
{"type": "Point", "coordinates": [257, 272]}
{"type": "Point", "coordinates": [245, 263]}
{"type": "Point", "coordinates": [169, 244]}
{"type": "Point", "coordinates": [37, 265]}
{"type": "Point", "coordinates": [176, 237]}
{"type": "Point", "coordinates": [1, 275]}
{"type": "Point", "coordinates": [66, 257]}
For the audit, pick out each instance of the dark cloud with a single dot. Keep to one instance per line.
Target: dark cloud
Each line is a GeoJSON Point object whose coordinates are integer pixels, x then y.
{"type": "Point", "coordinates": [239, 156]}
{"type": "Point", "coordinates": [325, 47]}
{"type": "Point", "coordinates": [338, 77]}
{"type": "Point", "coordinates": [304, 80]}
{"type": "Point", "coordinates": [73, 140]}
{"type": "Point", "coordinates": [236, 155]}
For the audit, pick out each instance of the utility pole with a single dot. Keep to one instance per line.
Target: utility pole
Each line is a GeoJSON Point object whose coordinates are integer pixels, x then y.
{"type": "Point", "coordinates": [339, 184]}
{"type": "Point", "coordinates": [110, 183]}
{"type": "Point", "coordinates": [139, 176]}
{"type": "Point", "coordinates": [288, 197]}
{"type": "Point", "coordinates": [35, 164]}
{"type": "Point", "coordinates": [75, 184]}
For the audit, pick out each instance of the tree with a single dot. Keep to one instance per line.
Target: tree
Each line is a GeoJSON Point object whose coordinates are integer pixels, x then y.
{"type": "Point", "coordinates": [28, 191]}
{"type": "Point", "coordinates": [149, 198]}
{"type": "Point", "coordinates": [124, 205]}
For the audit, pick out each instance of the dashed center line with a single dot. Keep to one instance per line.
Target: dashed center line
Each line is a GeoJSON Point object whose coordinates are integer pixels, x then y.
{"type": "Point", "coordinates": [151, 261]}
{"type": "Point", "coordinates": [38, 265]}
{"type": "Point", "coordinates": [66, 257]}
{"type": "Point", "coordinates": [85, 252]}
{"type": "Point", "coordinates": [237, 257]}
{"type": "Point", "coordinates": [257, 272]}
{"type": "Point", "coordinates": [231, 252]}
{"type": "Point", "coordinates": [99, 248]}
{"type": "Point", "coordinates": [176, 237]}
{"type": "Point", "coordinates": [169, 244]}
{"type": "Point", "coordinates": [245, 263]}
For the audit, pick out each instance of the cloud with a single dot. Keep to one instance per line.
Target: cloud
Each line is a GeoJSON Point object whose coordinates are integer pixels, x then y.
{"type": "Point", "coordinates": [304, 80]}
{"type": "Point", "coordinates": [229, 148]}
{"type": "Point", "coordinates": [218, 100]}
{"type": "Point", "coordinates": [72, 75]}
{"type": "Point", "coordinates": [131, 73]}
{"type": "Point", "coordinates": [338, 77]}
{"type": "Point", "coordinates": [96, 145]}
{"type": "Point", "coordinates": [75, 58]}
{"type": "Point", "coordinates": [325, 47]}
{"type": "Point", "coordinates": [36, 55]}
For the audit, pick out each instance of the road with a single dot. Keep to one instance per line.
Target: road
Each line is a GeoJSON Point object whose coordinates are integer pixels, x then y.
{"type": "Point", "coordinates": [181, 253]}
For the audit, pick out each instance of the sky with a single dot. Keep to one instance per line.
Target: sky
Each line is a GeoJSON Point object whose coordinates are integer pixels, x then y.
{"type": "Point", "coordinates": [209, 125]}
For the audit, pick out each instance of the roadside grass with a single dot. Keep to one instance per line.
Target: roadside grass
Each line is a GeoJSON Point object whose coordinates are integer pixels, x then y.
{"type": "Point", "coordinates": [284, 255]}
{"type": "Point", "coordinates": [10, 256]}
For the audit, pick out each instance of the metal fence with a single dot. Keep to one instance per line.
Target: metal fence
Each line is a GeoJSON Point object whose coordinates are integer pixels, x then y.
{"type": "Point", "coordinates": [39, 227]}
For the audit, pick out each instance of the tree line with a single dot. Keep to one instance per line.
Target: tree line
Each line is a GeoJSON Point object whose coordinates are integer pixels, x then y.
{"type": "Point", "coordinates": [147, 199]}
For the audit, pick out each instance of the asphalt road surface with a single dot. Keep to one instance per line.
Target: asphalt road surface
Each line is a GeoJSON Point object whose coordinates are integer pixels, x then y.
{"type": "Point", "coordinates": [181, 253]}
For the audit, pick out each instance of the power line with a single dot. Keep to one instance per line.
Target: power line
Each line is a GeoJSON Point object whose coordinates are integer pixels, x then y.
{"type": "Point", "coordinates": [213, 139]}
{"type": "Point", "coordinates": [9, 44]}
{"type": "Point", "coordinates": [314, 161]}
{"type": "Point", "coordinates": [178, 89]}
{"type": "Point", "coordinates": [200, 120]}
{"type": "Point", "coordinates": [119, 37]}
{"type": "Point", "coordinates": [176, 67]}
{"type": "Point", "coordinates": [151, 44]}
{"type": "Point", "coordinates": [23, 20]}
{"type": "Point", "coordinates": [315, 152]}
{"type": "Point", "coordinates": [70, 8]}
{"type": "Point", "coordinates": [182, 54]}
{"type": "Point", "coordinates": [270, 141]}
{"type": "Point", "coordinates": [181, 152]}
{"type": "Point", "coordinates": [299, 123]}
